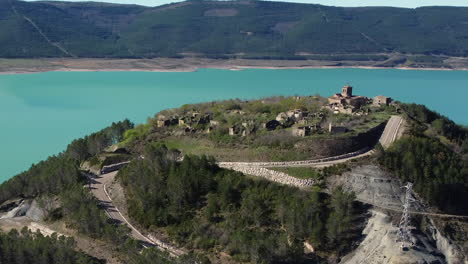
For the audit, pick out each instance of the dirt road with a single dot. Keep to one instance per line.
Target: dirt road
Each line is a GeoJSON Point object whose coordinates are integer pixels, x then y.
{"type": "Point", "coordinates": [98, 188]}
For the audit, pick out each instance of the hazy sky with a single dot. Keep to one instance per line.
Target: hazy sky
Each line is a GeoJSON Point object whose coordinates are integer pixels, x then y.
{"type": "Point", "coordinates": [400, 3]}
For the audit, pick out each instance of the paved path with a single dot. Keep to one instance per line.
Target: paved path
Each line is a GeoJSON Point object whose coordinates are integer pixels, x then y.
{"type": "Point", "coordinates": [391, 131]}
{"type": "Point", "coordinates": [98, 188]}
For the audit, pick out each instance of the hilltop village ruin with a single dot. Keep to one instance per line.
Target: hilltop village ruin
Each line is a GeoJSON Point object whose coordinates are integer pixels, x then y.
{"type": "Point", "coordinates": [301, 121]}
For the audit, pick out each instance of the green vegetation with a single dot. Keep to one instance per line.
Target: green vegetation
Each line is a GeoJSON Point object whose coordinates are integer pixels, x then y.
{"type": "Point", "coordinates": [238, 130]}
{"type": "Point", "coordinates": [432, 122]}
{"type": "Point", "coordinates": [61, 172]}
{"type": "Point", "coordinates": [51, 176]}
{"type": "Point", "coordinates": [432, 158]}
{"type": "Point", "coordinates": [439, 175]}
{"type": "Point", "coordinates": [81, 211]}
{"type": "Point", "coordinates": [84, 148]}
{"type": "Point", "coordinates": [259, 29]}
{"type": "Point", "coordinates": [155, 256]}
{"type": "Point", "coordinates": [27, 247]}
{"type": "Point", "coordinates": [59, 176]}
{"type": "Point", "coordinates": [204, 207]}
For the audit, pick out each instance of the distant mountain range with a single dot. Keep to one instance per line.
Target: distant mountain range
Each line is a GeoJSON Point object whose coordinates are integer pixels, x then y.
{"type": "Point", "coordinates": [234, 29]}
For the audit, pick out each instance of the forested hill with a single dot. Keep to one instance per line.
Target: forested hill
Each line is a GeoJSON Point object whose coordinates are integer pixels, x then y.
{"type": "Point", "coordinates": [243, 29]}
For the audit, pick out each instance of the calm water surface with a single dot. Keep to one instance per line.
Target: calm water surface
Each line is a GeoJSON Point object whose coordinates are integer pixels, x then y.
{"type": "Point", "coordinates": [41, 113]}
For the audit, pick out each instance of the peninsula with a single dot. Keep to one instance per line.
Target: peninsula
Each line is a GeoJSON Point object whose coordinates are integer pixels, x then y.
{"type": "Point", "coordinates": [280, 179]}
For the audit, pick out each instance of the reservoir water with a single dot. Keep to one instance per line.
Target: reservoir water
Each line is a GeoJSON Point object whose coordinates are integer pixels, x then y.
{"type": "Point", "coordinates": [41, 113]}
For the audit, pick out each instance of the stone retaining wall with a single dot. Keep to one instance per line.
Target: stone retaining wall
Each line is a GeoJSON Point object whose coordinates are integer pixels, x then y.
{"type": "Point", "coordinates": [274, 176]}
{"type": "Point", "coordinates": [292, 163]}
{"type": "Point", "coordinates": [113, 167]}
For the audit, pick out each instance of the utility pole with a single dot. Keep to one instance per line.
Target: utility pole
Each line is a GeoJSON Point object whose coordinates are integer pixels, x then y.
{"type": "Point", "coordinates": [404, 233]}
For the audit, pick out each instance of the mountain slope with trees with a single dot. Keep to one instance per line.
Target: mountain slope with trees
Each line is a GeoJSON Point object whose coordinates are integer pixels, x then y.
{"type": "Point", "coordinates": [224, 29]}
{"type": "Point", "coordinates": [203, 207]}
{"type": "Point", "coordinates": [215, 212]}
{"type": "Point", "coordinates": [27, 247]}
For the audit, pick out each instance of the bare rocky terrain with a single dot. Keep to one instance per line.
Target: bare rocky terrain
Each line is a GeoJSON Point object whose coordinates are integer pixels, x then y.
{"type": "Point", "coordinates": [32, 215]}
{"type": "Point", "coordinates": [374, 186]}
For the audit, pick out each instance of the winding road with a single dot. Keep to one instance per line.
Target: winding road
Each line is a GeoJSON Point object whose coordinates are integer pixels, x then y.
{"type": "Point", "coordinates": [98, 188]}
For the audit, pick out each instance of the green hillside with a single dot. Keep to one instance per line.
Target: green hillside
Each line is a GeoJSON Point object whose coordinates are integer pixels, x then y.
{"type": "Point", "coordinates": [245, 29]}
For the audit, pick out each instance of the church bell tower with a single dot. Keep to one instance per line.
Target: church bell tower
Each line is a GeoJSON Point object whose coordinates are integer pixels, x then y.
{"type": "Point", "coordinates": [347, 91]}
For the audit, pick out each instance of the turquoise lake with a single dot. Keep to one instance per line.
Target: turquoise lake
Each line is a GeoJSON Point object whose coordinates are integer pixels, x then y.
{"type": "Point", "coordinates": [41, 113]}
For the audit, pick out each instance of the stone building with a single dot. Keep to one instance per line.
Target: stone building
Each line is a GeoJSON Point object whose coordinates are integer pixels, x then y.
{"type": "Point", "coordinates": [336, 129]}
{"type": "Point", "coordinates": [304, 131]}
{"type": "Point", "coordinates": [381, 100]}
{"type": "Point", "coordinates": [162, 123]}
{"type": "Point", "coordinates": [182, 122]}
{"type": "Point", "coordinates": [296, 114]}
{"type": "Point", "coordinates": [272, 125]}
{"type": "Point", "coordinates": [232, 131]}
{"type": "Point", "coordinates": [346, 98]}
{"type": "Point", "coordinates": [282, 117]}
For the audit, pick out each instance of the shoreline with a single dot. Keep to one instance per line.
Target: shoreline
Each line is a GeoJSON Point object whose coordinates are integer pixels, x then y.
{"type": "Point", "coordinates": [236, 68]}
{"type": "Point", "coordinates": [28, 66]}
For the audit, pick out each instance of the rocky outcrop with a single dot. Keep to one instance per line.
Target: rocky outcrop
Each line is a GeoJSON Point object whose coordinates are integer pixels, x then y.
{"type": "Point", "coordinates": [8, 205]}
{"type": "Point", "coordinates": [452, 252]}
{"type": "Point", "coordinates": [371, 185]}
{"type": "Point", "coordinates": [18, 211]}
{"type": "Point", "coordinates": [28, 208]}
{"type": "Point", "coordinates": [380, 246]}
{"type": "Point", "coordinates": [374, 186]}
{"type": "Point", "coordinates": [35, 212]}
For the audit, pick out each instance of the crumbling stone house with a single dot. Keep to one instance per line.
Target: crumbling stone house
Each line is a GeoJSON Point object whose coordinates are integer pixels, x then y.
{"type": "Point", "coordinates": [272, 125]}
{"type": "Point", "coordinates": [304, 131]}
{"type": "Point", "coordinates": [380, 100]}
{"type": "Point", "coordinates": [164, 121]}
{"type": "Point", "coordinates": [337, 129]}
{"type": "Point", "coordinates": [346, 102]}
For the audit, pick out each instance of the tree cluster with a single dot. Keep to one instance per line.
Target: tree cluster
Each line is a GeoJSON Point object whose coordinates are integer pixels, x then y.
{"type": "Point", "coordinates": [27, 247]}
{"type": "Point", "coordinates": [443, 126]}
{"type": "Point", "coordinates": [51, 176]}
{"type": "Point", "coordinates": [205, 207]}
{"type": "Point", "coordinates": [84, 148]}
{"type": "Point", "coordinates": [60, 176]}
{"type": "Point", "coordinates": [440, 176]}
{"type": "Point", "coordinates": [82, 212]}
{"type": "Point", "coordinates": [58, 173]}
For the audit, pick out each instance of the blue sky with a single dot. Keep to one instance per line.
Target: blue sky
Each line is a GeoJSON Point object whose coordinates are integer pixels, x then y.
{"type": "Point", "coordinates": [399, 3]}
